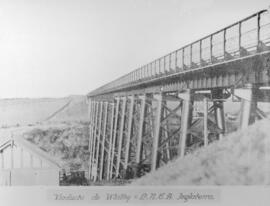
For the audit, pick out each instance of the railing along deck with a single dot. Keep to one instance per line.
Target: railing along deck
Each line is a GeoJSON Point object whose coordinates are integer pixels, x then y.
{"type": "Point", "coordinates": [246, 37]}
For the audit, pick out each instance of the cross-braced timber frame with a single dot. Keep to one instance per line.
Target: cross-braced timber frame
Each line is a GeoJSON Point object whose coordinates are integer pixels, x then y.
{"type": "Point", "coordinates": [150, 116]}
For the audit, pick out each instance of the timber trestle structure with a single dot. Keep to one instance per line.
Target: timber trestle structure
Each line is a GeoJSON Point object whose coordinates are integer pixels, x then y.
{"type": "Point", "coordinates": [175, 104]}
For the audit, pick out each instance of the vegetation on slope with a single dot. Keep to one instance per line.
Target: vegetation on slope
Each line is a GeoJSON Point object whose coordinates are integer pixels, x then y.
{"type": "Point", "coordinates": [241, 158]}
{"type": "Point", "coordinates": [68, 142]}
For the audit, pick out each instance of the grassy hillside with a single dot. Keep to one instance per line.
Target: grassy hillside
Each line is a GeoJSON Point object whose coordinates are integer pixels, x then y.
{"type": "Point", "coordinates": [76, 110]}
{"type": "Point", "coordinates": [67, 142]}
{"type": "Point", "coordinates": [241, 158]}
{"type": "Point", "coordinates": [30, 111]}
{"type": "Point", "coordinates": [27, 111]}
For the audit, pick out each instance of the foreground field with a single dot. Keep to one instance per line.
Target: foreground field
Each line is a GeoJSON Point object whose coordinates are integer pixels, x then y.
{"type": "Point", "coordinates": [241, 158]}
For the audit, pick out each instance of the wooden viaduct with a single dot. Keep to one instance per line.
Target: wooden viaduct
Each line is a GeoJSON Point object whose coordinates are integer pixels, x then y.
{"type": "Point", "coordinates": [147, 117]}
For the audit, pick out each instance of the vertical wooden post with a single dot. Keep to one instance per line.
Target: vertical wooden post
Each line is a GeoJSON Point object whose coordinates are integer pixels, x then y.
{"type": "Point", "coordinates": [90, 107]}
{"type": "Point", "coordinates": [141, 127]}
{"type": "Point", "coordinates": [248, 105]}
{"type": "Point", "coordinates": [170, 61]}
{"type": "Point", "coordinates": [166, 134]}
{"type": "Point", "coordinates": [110, 143]}
{"type": "Point", "coordinates": [114, 135]}
{"type": "Point", "coordinates": [200, 52]}
{"type": "Point", "coordinates": [129, 132]}
{"type": "Point", "coordinates": [185, 120]}
{"type": "Point", "coordinates": [151, 69]}
{"type": "Point", "coordinates": [145, 71]}
{"type": "Point", "coordinates": [156, 140]}
{"type": "Point", "coordinates": [103, 141]}
{"type": "Point", "coordinates": [90, 112]}
{"type": "Point", "coordinates": [258, 29]}
{"type": "Point", "coordinates": [98, 138]}
{"type": "Point", "coordinates": [211, 48]}
{"type": "Point", "coordinates": [176, 60]}
{"type": "Point", "coordinates": [93, 162]}
{"type": "Point", "coordinates": [91, 136]}
{"type": "Point", "coordinates": [164, 61]}
{"type": "Point", "coordinates": [239, 39]}
{"type": "Point", "coordinates": [183, 59]}
{"type": "Point", "coordinates": [120, 142]}
{"type": "Point", "coordinates": [92, 139]}
{"type": "Point", "coordinates": [224, 43]}
{"type": "Point", "coordinates": [191, 55]}
{"type": "Point", "coordinates": [155, 68]}
{"type": "Point", "coordinates": [205, 121]}
{"type": "Point", "coordinates": [159, 66]}
{"type": "Point", "coordinates": [221, 118]}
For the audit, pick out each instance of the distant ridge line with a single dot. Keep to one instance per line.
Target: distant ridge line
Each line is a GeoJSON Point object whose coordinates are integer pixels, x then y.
{"type": "Point", "coordinates": [59, 110]}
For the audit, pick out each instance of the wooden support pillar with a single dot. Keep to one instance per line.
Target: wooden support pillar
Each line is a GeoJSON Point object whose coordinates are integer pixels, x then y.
{"type": "Point", "coordinates": [114, 136]}
{"type": "Point", "coordinates": [110, 142]}
{"type": "Point", "coordinates": [91, 130]}
{"type": "Point", "coordinates": [93, 160]}
{"type": "Point", "coordinates": [129, 132]}
{"type": "Point", "coordinates": [205, 121]}
{"type": "Point", "coordinates": [218, 96]}
{"type": "Point", "coordinates": [186, 117]}
{"type": "Point", "coordinates": [168, 153]}
{"type": "Point", "coordinates": [141, 127]}
{"type": "Point", "coordinates": [91, 116]}
{"type": "Point", "coordinates": [98, 139]}
{"type": "Point", "coordinates": [103, 140]}
{"type": "Point", "coordinates": [258, 28]}
{"type": "Point", "coordinates": [89, 103]}
{"type": "Point", "coordinates": [120, 140]}
{"type": "Point", "coordinates": [95, 107]}
{"type": "Point", "coordinates": [220, 117]}
{"type": "Point", "coordinates": [248, 105]}
{"type": "Point", "coordinates": [239, 37]}
{"type": "Point", "coordinates": [155, 155]}
{"type": "Point", "coordinates": [224, 43]}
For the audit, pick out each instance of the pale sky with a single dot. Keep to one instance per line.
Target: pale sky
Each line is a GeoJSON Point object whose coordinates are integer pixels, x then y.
{"type": "Point", "coordinates": [54, 48]}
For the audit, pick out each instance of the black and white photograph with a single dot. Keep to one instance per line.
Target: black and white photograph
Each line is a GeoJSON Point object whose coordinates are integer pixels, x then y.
{"type": "Point", "coordinates": [135, 101]}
